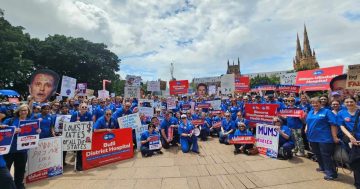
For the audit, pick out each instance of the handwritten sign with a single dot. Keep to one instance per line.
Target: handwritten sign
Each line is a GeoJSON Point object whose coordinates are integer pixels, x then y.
{"type": "Point", "coordinates": [153, 86]}
{"type": "Point", "coordinates": [129, 121]}
{"type": "Point", "coordinates": [77, 136]}
{"type": "Point", "coordinates": [68, 85]}
{"type": "Point", "coordinates": [147, 111]}
{"type": "Point", "coordinates": [59, 122]}
{"type": "Point", "coordinates": [132, 92]}
{"type": "Point", "coordinates": [45, 161]}
{"type": "Point", "coordinates": [28, 136]}
{"type": "Point", "coordinates": [6, 137]}
{"type": "Point", "coordinates": [171, 103]}
{"type": "Point", "coordinates": [353, 77]}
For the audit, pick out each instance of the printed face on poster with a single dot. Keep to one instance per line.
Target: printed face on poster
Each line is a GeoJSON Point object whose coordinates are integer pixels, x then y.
{"type": "Point", "coordinates": [43, 85]}
{"type": "Point", "coordinates": [77, 136]}
{"type": "Point", "coordinates": [68, 85]}
{"type": "Point", "coordinates": [81, 87]}
{"type": "Point", "coordinates": [28, 136]}
{"type": "Point", "coordinates": [133, 81]}
{"type": "Point", "coordinates": [201, 90]}
{"type": "Point", "coordinates": [6, 137]}
{"type": "Point", "coordinates": [45, 161]}
{"type": "Point", "coordinates": [267, 137]}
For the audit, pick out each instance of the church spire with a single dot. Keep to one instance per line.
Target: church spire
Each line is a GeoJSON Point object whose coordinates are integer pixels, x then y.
{"type": "Point", "coordinates": [307, 49]}
{"type": "Point", "coordinates": [298, 48]}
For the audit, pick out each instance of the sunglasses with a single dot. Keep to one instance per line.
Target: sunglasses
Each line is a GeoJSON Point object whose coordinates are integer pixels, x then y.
{"type": "Point", "coordinates": [107, 114]}
{"type": "Point", "coordinates": [291, 101]}
{"type": "Point", "coordinates": [277, 121]}
{"type": "Point", "coordinates": [227, 116]}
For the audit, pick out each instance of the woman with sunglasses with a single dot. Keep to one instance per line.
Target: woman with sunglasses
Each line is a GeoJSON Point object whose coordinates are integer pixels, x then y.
{"type": "Point", "coordinates": [79, 116]}
{"type": "Point", "coordinates": [146, 138]}
{"type": "Point", "coordinates": [321, 132]}
{"type": "Point", "coordinates": [242, 131]}
{"type": "Point", "coordinates": [346, 120]}
{"type": "Point", "coordinates": [285, 142]}
{"type": "Point", "coordinates": [187, 139]}
{"type": "Point", "coordinates": [17, 157]}
{"type": "Point", "coordinates": [106, 123]}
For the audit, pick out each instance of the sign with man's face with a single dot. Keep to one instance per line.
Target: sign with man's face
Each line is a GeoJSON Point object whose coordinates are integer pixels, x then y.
{"type": "Point", "coordinates": [43, 85]}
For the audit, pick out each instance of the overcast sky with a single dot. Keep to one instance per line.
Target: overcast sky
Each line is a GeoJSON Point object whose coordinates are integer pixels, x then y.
{"type": "Point", "coordinates": [199, 36]}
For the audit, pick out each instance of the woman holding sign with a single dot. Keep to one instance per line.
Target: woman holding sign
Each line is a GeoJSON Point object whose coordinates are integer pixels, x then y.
{"type": "Point", "coordinates": [187, 139]}
{"type": "Point", "coordinates": [285, 142]}
{"type": "Point", "coordinates": [18, 157]}
{"type": "Point", "coordinates": [146, 138]}
{"type": "Point", "coordinates": [242, 131]}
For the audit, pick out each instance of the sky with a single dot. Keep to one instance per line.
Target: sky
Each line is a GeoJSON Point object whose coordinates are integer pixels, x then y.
{"type": "Point", "coordinates": [199, 37]}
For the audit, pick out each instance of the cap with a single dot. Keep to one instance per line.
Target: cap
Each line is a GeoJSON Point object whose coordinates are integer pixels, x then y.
{"type": "Point", "coordinates": [183, 116]}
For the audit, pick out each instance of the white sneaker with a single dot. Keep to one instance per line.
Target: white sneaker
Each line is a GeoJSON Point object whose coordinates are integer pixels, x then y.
{"type": "Point", "coordinates": [300, 154]}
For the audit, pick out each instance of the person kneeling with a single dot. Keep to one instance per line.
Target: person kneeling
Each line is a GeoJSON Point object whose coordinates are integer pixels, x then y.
{"type": "Point", "coordinates": [285, 142]}
{"type": "Point", "coordinates": [187, 139]}
{"type": "Point", "coordinates": [242, 131]}
{"type": "Point", "coordinates": [145, 139]}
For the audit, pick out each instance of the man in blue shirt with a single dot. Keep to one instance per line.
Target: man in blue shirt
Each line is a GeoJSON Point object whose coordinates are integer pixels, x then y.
{"type": "Point", "coordinates": [227, 127]}
{"type": "Point", "coordinates": [166, 140]}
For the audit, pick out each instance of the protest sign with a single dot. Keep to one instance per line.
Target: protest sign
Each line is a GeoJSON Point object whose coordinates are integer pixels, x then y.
{"type": "Point", "coordinates": [353, 77]}
{"type": "Point", "coordinates": [170, 133]}
{"type": "Point", "coordinates": [163, 85]}
{"type": "Point", "coordinates": [260, 113]}
{"type": "Point", "coordinates": [6, 137]}
{"type": "Point", "coordinates": [28, 136]}
{"type": "Point", "coordinates": [108, 147]}
{"type": "Point", "coordinates": [288, 79]}
{"type": "Point", "coordinates": [77, 135]}
{"type": "Point", "coordinates": [59, 122]}
{"type": "Point", "coordinates": [81, 87]}
{"type": "Point", "coordinates": [197, 122]}
{"type": "Point", "coordinates": [241, 139]}
{"type": "Point", "coordinates": [288, 88]}
{"type": "Point", "coordinates": [43, 76]}
{"type": "Point", "coordinates": [140, 129]}
{"type": "Point", "coordinates": [318, 79]}
{"type": "Point", "coordinates": [267, 139]}
{"type": "Point", "coordinates": [130, 121]}
{"type": "Point", "coordinates": [179, 87]}
{"type": "Point", "coordinates": [89, 92]}
{"type": "Point", "coordinates": [154, 142]}
{"type": "Point", "coordinates": [227, 84]}
{"type": "Point", "coordinates": [146, 103]}
{"type": "Point", "coordinates": [171, 103]}
{"type": "Point", "coordinates": [266, 88]}
{"type": "Point", "coordinates": [203, 105]}
{"type": "Point", "coordinates": [291, 112]}
{"type": "Point", "coordinates": [103, 94]}
{"type": "Point", "coordinates": [242, 84]}
{"type": "Point", "coordinates": [68, 85]}
{"type": "Point", "coordinates": [153, 86]}
{"type": "Point", "coordinates": [132, 92]}
{"type": "Point", "coordinates": [46, 160]}
{"type": "Point", "coordinates": [147, 111]}
{"type": "Point", "coordinates": [212, 89]}
{"type": "Point", "coordinates": [215, 104]}
{"type": "Point", "coordinates": [133, 81]}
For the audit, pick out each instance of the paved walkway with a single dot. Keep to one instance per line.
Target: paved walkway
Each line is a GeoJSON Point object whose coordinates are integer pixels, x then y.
{"type": "Point", "coordinates": [216, 167]}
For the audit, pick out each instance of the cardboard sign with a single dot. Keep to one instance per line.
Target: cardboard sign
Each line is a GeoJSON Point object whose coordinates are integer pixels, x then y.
{"type": "Point", "coordinates": [288, 88]}
{"type": "Point", "coordinates": [132, 92]}
{"type": "Point", "coordinates": [153, 86]}
{"type": "Point", "coordinates": [179, 87]}
{"type": "Point", "coordinates": [353, 77]}
{"type": "Point", "coordinates": [241, 139]}
{"type": "Point", "coordinates": [45, 161]}
{"type": "Point", "coordinates": [6, 137]}
{"type": "Point", "coordinates": [242, 84]}
{"type": "Point", "coordinates": [77, 136]}
{"type": "Point", "coordinates": [68, 85]}
{"type": "Point", "coordinates": [130, 121]}
{"type": "Point", "coordinates": [197, 122]}
{"type": "Point", "coordinates": [147, 111]}
{"type": "Point", "coordinates": [133, 81]}
{"type": "Point", "coordinates": [154, 142]}
{"type": "Point", "coordinates": [171, 103]}
{"type": "Point", "coordinates": [140, 129]}
{"type": "Point", "coordinates": [59, 122]}
{"type": "Point", "coordinates": [288, 79]}
{"type": "Point", "coordinates": [291, 112]}
{"type": "Point", "coordinates": [227, 84]}
{"type": "Point", "coordinates": [89, 92]}
{"type": "Point", "coordinates": [81, 87]}
{"type": "Point", "coordinates": [318, 79]}
{"type": "Point", "coordinates": [267, 137]}
{"type": "Point", "coordinates": [260, 113]}
{"type": "Point", "coordinates": [108, 147]}
{"type": "Point", "coordinates": [28, 137]}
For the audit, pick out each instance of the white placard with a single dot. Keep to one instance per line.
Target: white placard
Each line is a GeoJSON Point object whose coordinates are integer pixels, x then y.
{"type": "Point", "coordinates": [227, 84]}
{"type": "Point", "coordinates": [267, 137]}
{"type": "Point", "coordinates": [68, 85]}
{"type": "Point", "coordinates": [129, 121]}
{"type": "Point", "coordinates": [288, 79]}
{"type": "Point", "coordinates": [153, 86]}
{"type": "Point", "coordinates": [132, 92]}
{"type": "Point", "coordinates": [59, 122]}
{"type": "Point", "coordinates": [77, 135]}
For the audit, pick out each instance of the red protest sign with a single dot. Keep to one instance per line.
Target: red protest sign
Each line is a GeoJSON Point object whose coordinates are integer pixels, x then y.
{"type": "Point", "coordinates": [291, 112]}
{"type": "Point", "coordinates": [170, 133]}
{"type": "Point", "coordinates": [179, 87]}
{"type": "Point", "coordinates": [241, 140]}
{"type": "Point", "coordinates": [108, 147]}
{"type": "Point", "coordinates": [288, 88]}
{"type": "Point", "coordinates": [217, 125]}
{"type": "Point", "coordinates": [266, 88]}
{"type": "Point", "coordinates": [318, 79]}
{"type": "Point", "coordinates": [242, 84]}
{"type": "Point", "coordinates": [203, 105]}
{"type": "Point", "coordinates": [197, 122]}
{"type": "Point", "coordinates": [260, 113]}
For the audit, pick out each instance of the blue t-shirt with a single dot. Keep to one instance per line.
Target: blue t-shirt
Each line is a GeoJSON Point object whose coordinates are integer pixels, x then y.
{"type": "Point", "coordinates": [244, 121]}
{"type": "Point", "coordinates": [121, 112]}
{"type": "Point", "coordinates": [2, 162]}
{"type": "Point", "coordinates": [294, 122]}
{"type": "Point", "coordinates": [185, 128]}
{"type": "Point", "coordinates": [319, 126]}
{"type": "Point", "coordinates": [344, 118]}
{"type": "Point", "coordinates": [46, 122]}
{"type": "Point", "coordinates": [245, 132]}
{"type": "Point", "coordinates": [77, 116]}
{"type": "Point", "coordinates": [165, 124]}
{"type": "Point", "coordinates": [228, 125]}
{"type": "Point", "coordinates": [145, 135]}
{"type": "Point", "coordinates": [234, 110]}
{"type": "Point", "coordinates": [287, 131]}
{"type": "Point", "coordinates": [102, 124]}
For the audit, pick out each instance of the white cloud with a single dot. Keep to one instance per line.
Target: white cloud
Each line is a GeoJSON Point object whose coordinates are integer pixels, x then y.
{"type": "Point", "coordinates": [199, 37]}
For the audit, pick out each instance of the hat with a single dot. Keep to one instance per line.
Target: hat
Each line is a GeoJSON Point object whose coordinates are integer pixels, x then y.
{"type": "Point", "coordinates": [183, 116]}
{"type": "Point", "coordinates": [44, 105]}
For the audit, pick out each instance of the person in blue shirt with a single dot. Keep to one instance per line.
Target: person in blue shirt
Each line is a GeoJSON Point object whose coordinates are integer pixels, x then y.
{"type": "Point", "coordinates": [304, 103]}
{"type": "Point", "coordinates": [100, 110]}
{"type": "Point", "coordinates": [240, 118]}
{"type": "Point", "coordinates": [216, 118]}
{"type": "Point", "coordinates": [80, 116]}
{"type": "Point", "coordinates": [242, 131]}
{"type": "Point", "coordinates": [227, 127]}
{"type": "Point", "coordinates": [145, 139]}
{"type": "Point", "coordinates": [324, 101]}
{"type": "Point", "coordinates": [285, 142]}
{"type": "Point", "coordinates": [321, 131]}
{"type": "Point", "coordinates": [47, 122]}
{"type": "Point", "coordinates": [164, 126]}
{"type": "Point", "coordinates": [234, 109]}
{"type": "Point", "coordinates": [17, 157]}
{"type": "Point", "coordinates": [187, 139]}
{"type": "Point", "coordinates": [346, 121]}
{"type": "Point", "coordinates": [6, 179]}
{"type": "Point", "coordinates": [105, 123]}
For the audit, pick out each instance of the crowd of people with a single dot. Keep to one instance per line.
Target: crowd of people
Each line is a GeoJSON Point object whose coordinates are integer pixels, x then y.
{"type": "Point", "coordinates": [329, 120]}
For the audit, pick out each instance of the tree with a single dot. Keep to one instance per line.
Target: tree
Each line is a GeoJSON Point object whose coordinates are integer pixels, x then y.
{"type": "Point", "coordinates": [264, 80]}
